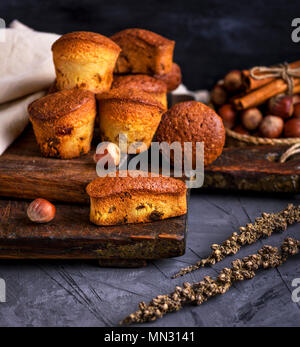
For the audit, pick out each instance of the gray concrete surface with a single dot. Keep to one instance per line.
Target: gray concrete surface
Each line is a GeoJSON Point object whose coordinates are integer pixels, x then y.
{"type": "Point", "coordinates": [79, 293]}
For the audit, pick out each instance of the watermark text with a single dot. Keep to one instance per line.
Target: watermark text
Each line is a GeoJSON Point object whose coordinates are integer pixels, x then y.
{"type": "Point", "coordinates": [296, 292]}
{"type": "Point", "coordinates": [2, 290]}
{"type": "Point", "coordinates": [2, 30]}
{"type": "Point", "coordinates": [296, 32]}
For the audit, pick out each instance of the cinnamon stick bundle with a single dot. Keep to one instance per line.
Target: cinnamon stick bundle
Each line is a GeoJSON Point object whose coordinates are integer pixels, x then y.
{"type": "Point", "coordinates": [260, 95]}
{"type": "Point", "coordinates": [252, 84]}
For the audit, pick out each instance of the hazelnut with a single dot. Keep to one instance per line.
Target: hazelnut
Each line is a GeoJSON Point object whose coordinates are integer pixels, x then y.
{"type": "Point", "coordinates": [292, 128]}
{"type": "Point", "coordinates": [241, 130]}
{"type": "Point", "coordinates": [271, 126]}
{"type": "Point", "coordinates": [297, 110]}
{"type": "Point", "coordinates": [281, 105]}
{"type": "Point", "coordinates": [296, 99]}
{"type": "Point", "coordinates": [41, 211]}
{"type": "Point", "coordinates": [218, 95]}
{"type": "Point", "coordinates": [109, 153]}
{"type": "Point", "coordinates": [228, 114]}
{"type": "Point", "coordinates": [233, 81]}
{"type": "Point", "coordinates": [251, 118]}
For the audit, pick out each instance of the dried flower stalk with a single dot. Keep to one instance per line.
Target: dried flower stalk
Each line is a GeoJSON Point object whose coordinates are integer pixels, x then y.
{"type": "Point", "coordinates": [198, 293]}
{"type": "Point", "coordinates": [264, 226]}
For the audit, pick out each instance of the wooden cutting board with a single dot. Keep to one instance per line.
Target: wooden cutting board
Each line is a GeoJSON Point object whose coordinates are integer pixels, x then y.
{"type": "Point", "coordinates": [71, 236]}
{"type": "Point", "coordinates": [24, 174]}
{"type": "Point", "coordinates": [255, 168]}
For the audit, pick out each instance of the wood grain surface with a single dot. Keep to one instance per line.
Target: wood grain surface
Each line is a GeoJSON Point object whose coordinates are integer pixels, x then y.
{"type": "Point", "coordinates": [255, 168]}
{"type": "Point", "coordinates": [72, 236]}
{"type": "Point", "coordinates": [24, 174]}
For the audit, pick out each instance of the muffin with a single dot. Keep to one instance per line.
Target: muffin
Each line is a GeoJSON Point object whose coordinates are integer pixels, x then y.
{"type": "Point", "coordinates": [85, 60]}
{"type": "Point", "coordinates": [171, 79]}
{"type": "Point", "coordinates": [63, 122]}
{"type": "Point", "coordinates": [143, 52]}
{"type": "Point", "coordinates": [130, 112]}
{"type": "Point", "coordinates": [145, 83]}
{"type": "Point", "coordinates": [133, 199]}
{"type": "Point", "coordinates": [192, 121]}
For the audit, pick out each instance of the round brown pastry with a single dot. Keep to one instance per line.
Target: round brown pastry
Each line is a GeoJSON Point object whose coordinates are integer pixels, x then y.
{"type": "Point", "coordinates": [145, 83]}
{"type": "Point", "coordinates": [63, 122]}
{"type": "Point", "coordinates": [143, 52]}
{"type": "Point", "coordinates": [171, 79]}
{"type": "Point", "coordinates": [192, 121]}
{"type": "Point", "coordinates": [132, 113]}
{"type": "Point", "coordinates": [131, 198]}
{"type": "Point", "coordinates": [85, 60]}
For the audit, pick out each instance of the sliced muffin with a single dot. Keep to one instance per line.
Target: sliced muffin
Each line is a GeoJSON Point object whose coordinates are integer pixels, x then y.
{"type": "Point", "coordinates": [135, 199]}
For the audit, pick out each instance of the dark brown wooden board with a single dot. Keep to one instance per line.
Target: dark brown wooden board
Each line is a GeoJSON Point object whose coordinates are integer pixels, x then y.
{"type": "Point", "coordinates": [25, 174]}
{"type": "Point", "coordinates": [254, 168]}
{"type": "Point", "coordinates": [72, 236]}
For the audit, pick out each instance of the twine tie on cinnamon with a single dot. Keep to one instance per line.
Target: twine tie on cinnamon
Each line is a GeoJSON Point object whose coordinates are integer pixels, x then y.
{"type": "Point", "coordinates": [295, 149]}
{"type": "Point", "coordinates": [279, 71]}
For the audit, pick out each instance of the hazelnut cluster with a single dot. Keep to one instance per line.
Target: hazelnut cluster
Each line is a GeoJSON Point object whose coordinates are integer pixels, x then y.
{"type": "Point", "coordinates": [263, 226]}
{"type": "Point", "coordinates": [278, 117]}
{"type": "Point", "coordinates": [199, 292]}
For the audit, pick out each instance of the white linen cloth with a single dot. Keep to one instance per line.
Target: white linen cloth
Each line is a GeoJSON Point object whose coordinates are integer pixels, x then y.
{"type": "Point", "coordinates": [26, 69]}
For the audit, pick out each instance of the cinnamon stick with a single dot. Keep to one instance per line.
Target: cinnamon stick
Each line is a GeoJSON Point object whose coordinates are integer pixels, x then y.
{"type": "Point", "coordinates": [252, 84]}
{"type": "Point", "coordinates": [262, 94]}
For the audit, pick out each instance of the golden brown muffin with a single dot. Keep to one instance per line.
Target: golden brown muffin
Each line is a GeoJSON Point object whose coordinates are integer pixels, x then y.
{"type": "Point", "coordinates": [133, 113]}
{"type": "Point", "coordinates": [63, 122]}
{"type": "Point", "coordinates": [171, 79]}
{"type": "Point", "coordinates": [192, 121]}
{"type": "Point", "coordinates": [143, 52]}
{"type": "Point", "coordinates": [85, 60]}
{"type": "Point", "coordinates": [145, 83]}
{"type": "Point", "coordinates": [133, 199]}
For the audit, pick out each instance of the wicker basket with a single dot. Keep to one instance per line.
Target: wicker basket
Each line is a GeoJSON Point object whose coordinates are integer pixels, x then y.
{"type": "Point", "coordinates": [241, 139]}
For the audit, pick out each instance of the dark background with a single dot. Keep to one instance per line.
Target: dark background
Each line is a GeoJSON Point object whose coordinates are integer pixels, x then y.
{"type": "Point", "coordinates": [212, 36]}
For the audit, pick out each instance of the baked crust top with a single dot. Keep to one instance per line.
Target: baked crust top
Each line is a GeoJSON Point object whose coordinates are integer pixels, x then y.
{"type": "Point", "coordinates": [147, 36]}
{"type": "Point", "coordinates": [85, 36]}
{"type": "Point", "coordinates": [130, 95]}
{"type": "Point", "coordinates": [142, 82]}
{"type": "Point", "coordinates": [192, 121]}
{"type": "Point", "coordinates": [53, 106]}
{"type": "Point", "coordinates": [103, 187]}
{"type": "Point", "coordinates": [172, 79]}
